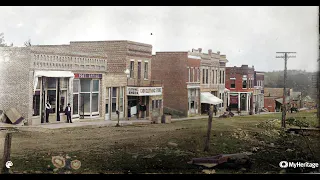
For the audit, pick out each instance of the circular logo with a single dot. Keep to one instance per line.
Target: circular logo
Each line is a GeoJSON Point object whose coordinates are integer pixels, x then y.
{"type": "Point", "coordinates": [75, 164]}
{"type": "Point", "coordinates": [9, 164]}
{"type": "Point", "coordinates": [58, 161]}
{"type": "Point", "coordinates": [283, 164]}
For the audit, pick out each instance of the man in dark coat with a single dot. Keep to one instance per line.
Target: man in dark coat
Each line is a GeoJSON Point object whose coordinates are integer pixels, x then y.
{"type": "Point", "coordinates": [48, 109]}
{"type": "Point", "coordinates": [68, 113]}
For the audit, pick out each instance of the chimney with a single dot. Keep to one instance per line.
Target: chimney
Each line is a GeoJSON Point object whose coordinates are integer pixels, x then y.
{"type": "Point", "coordinates": [200, 49]}
{"type": "Point", "coordinates": [218, 52]}
{"type": "Point", "coordinates": [210, 52]}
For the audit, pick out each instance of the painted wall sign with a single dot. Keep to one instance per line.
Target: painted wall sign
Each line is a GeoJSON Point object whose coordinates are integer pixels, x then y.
{"type": "Point", "coordinates": [144, 91]}
{"type": "Point", "coordinates": [88, 76]}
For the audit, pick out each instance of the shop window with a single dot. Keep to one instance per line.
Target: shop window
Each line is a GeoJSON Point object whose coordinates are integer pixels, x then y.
{"type": "Point", "coordinates": [157, 104]}
{"type": "Point", "coordinates": [192, 104]}
{"type": "Point", "coordinates": [152, 104]}
{"type": "Point", "coordinates": [95, 102]}
{"type": "Point", "coordinates": [51, 82]}
{"type": "Point", "coordinates": [75, 104]}
{"type": "Point", "coordinates": [121, 99]}
{"type": "Point", "coordinates": [85, 85]}
{"type": "Point", "coordinates": [114, 99]}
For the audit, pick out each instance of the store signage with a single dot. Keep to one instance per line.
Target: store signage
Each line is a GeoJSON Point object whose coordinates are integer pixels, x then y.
{"type": "Point", "coordinates": [88, 76]}
{"type": "Point", "coordinates": [144, 91]}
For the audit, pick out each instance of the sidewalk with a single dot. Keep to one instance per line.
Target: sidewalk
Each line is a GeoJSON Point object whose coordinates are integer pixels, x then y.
{"type": "Point", "coordinates": [105, 123]}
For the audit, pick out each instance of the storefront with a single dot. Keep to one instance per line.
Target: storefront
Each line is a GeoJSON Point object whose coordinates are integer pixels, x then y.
{"type": "Point", "coordinates": [114, 102]}
{"type": "Point", "coordinates": [144, 102]}
{"type": "Point", "coordinates": [86, 95]}
{"type": "Point", "coordinates": [52, 87]}
{"type": "Point", "coordinates": [240, 101]}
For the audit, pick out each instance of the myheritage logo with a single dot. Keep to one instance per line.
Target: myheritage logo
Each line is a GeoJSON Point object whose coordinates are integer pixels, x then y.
{"type": "Point", "coordinates": [286, 164]}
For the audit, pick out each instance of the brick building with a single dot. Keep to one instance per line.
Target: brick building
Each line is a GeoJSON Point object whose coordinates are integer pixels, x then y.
{"type": "Point", "coordinates": [186, 76]}
{"type": "Point", "coordinates": [273, 98]}
{"type": "Point", "coordinates": [126, 91]}
{"type": "Point", "coordinates": [240, 82]}
{"type": "Point", "coordinates": [35, 75]}
{"type": "Point", "coordinates": [180, 76]}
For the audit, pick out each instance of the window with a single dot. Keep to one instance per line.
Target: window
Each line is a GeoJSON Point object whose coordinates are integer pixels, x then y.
{"type": "Point", "coordinates": [233, 83]}
{"type": "Point", "coordinates": [121, 99]}
{"type": "Point", "coordinates": [189, 74]}
{"type": "Point", "coordinates": [216, 76]}
{"type": "Point", "coordinates": [212, 76]}
{"type": "Point", "coordinates": [139, 70]}
{"type": "Point", "coordinates": [107, 101]}
{"type": "Point", "coordinates": [51, 82]}
{"type": "Point", "coordinates": [192, 75]}
{"type": "Point", "coordinates": [198, 74]}
{"type": "Point", "coordinates": [152, 104]}
{"type": "Point", "coordinates": [146, 70]}
{"type": "Point", "coordinates": [244, 82]}
{"type": "Point", "coordinates": [160, 103]}
{"type": "Point", "coordinates": [131, 69]}
{"type": "Point", "coordinates": [203, 73]}
{"type": "Point", "coordinates": [192, 104]}
{"type": "Point", "coordinates": [220, 77]}
{"type": "Point", "coordinates": [85, 85]}
{"type": "Point", "coordinates": [223, 76]}
{"type": "Point", "coordinates": [207, 75]}
{"type": "Point", "coordinates": [114, 99]}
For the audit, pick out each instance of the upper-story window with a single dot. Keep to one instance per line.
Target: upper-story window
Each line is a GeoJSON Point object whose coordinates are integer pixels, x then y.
{"type": "Point", "coordinates": [192, 74]}
{"type": "Point", "coordinates": [203, 76]}
{"type": "Point", "coordinates": [232, 82]}
{"type": "Point", "coordinates": [244, 82]}
{"type": "Point", "coordinates": [220, 76]}
{"type": "Point", "coordinates": [198, 74]}
{"type": "Point", "coordinates": [146, 69]}
{"type": "Point", "coordinates": [223, 77]}
{"type": "Point", "coordinates": [189, 74]}
{"type": "Point", "coordinates": [207, 76]}
{"type": "Point", "coordinates": [131, 69]}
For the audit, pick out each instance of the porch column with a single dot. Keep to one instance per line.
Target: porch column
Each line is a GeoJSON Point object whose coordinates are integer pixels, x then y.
{"type": "Point", "coordinates": [238, 100]}
{"type": "Point", "coordinates": [228, 94]}
{"type": "Point", "coordinates": [247, 102]}
{"type": "Point", "coordinates": [70, 94]}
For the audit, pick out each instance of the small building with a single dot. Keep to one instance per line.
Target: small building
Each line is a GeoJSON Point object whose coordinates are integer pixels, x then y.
{"type": "Point", "coordinates": [273, 97]}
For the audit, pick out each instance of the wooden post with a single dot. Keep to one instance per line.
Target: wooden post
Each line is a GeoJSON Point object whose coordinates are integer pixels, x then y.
{"type": "Point", "coordinates": [206, 148]}
{"type": "Point", "coordinates": [6, 153]}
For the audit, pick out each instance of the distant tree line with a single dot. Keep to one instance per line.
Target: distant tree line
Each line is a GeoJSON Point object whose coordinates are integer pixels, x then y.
{"type": "Point", "coordinates": [299, 80]}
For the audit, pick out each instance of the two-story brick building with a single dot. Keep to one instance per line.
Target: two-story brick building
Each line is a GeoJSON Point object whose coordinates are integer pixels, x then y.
{"type": "Point", "coordinates": [134, 92]}
{"type": "Point", "coordinates": [240, 82]}
{"type": "Point", "coordinates": [180, 75]}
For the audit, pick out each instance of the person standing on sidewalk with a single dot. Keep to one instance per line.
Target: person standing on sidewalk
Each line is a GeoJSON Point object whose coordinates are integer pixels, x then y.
{"type": "Point", "coordinates": [215, 110]}
{"type": "Point", "coordinates": [68, 113]}
{"type": "Point", "coordinates": [48, 109]}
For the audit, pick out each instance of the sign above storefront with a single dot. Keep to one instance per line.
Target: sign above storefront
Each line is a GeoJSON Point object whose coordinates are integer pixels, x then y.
{"type": "Point", "coordinates": [88, 76]}
{"type": "Point", "coordinates": [144, 91]}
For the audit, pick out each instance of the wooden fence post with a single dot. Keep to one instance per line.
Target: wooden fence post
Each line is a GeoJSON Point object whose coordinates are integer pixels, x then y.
{"type": "Point", "coordinates": [6, 153]}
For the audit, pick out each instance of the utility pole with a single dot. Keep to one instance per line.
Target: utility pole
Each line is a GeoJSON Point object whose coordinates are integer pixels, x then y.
{"type": "Point", "coordinates": [285, 56]}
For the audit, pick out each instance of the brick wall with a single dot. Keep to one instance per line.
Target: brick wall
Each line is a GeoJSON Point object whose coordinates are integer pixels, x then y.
{"type": "Point", "coordinates": [171, 68]}
{"type": "Point", "coordinates": [269, 103]}
{"type": "Point", "coordinates": [238, 72]}
{"type": "Point", "coordinates": [16, 80]}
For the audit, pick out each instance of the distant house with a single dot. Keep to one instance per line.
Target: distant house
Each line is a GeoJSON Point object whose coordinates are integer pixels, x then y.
{"type": "Point", "coordinates": [295, 99]}
{"type": "Point", "coordinates": [273, 98]}
{"type": "Point", "coordinates": [308, 102]}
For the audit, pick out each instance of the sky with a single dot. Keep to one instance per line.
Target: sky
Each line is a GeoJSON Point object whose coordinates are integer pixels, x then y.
{"type": "Point", "coordinates": [246, 35]}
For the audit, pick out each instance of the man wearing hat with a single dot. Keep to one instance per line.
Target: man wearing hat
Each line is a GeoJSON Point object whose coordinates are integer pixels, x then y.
{"type": "Point", "coordinates": [68, 113]}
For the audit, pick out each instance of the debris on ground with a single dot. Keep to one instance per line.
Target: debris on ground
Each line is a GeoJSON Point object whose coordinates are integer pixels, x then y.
{"type": "Point", "coordinates": [149, 156]}
{"type": "Point", "coordinates": [209, 171]}
{"type": "Point", "coordinates": [255, 149]}
{"type": "Point", "coordinates": [236, 161]}
{"type": "Point", "coordinates": [172, 144]}
{"type": "Point", "coordinates": [14, 117]}
{"type": "Point", "coordinates": [290, 150]}
{"type": "Point", "coordinates": [226, 115]}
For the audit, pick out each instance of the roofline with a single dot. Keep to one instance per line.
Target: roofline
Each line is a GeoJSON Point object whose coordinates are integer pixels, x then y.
{"type": "Point", "coordinates": [106, 41]}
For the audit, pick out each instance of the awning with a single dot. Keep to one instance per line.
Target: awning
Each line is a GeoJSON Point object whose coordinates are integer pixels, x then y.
{"type": "Point", "coordinates": [58, 74]}
{"type": "Point", "coordinates": [208, 98]}
{"type": "Point", "coordinates": [280, 100]}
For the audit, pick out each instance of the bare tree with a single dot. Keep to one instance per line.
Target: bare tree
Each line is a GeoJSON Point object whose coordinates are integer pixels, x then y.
{"type": "Point", "coordinates": [27, 43]}
{"type": "Point", "coordinates": [2, 42]}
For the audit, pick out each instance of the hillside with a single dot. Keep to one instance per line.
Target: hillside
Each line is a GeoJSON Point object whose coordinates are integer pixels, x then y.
{"type": "Point", "coordinates": [298, 80]}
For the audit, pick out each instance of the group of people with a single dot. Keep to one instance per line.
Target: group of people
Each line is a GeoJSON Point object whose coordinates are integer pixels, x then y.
{"type": "Point", "coordinates": [67, 112]}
